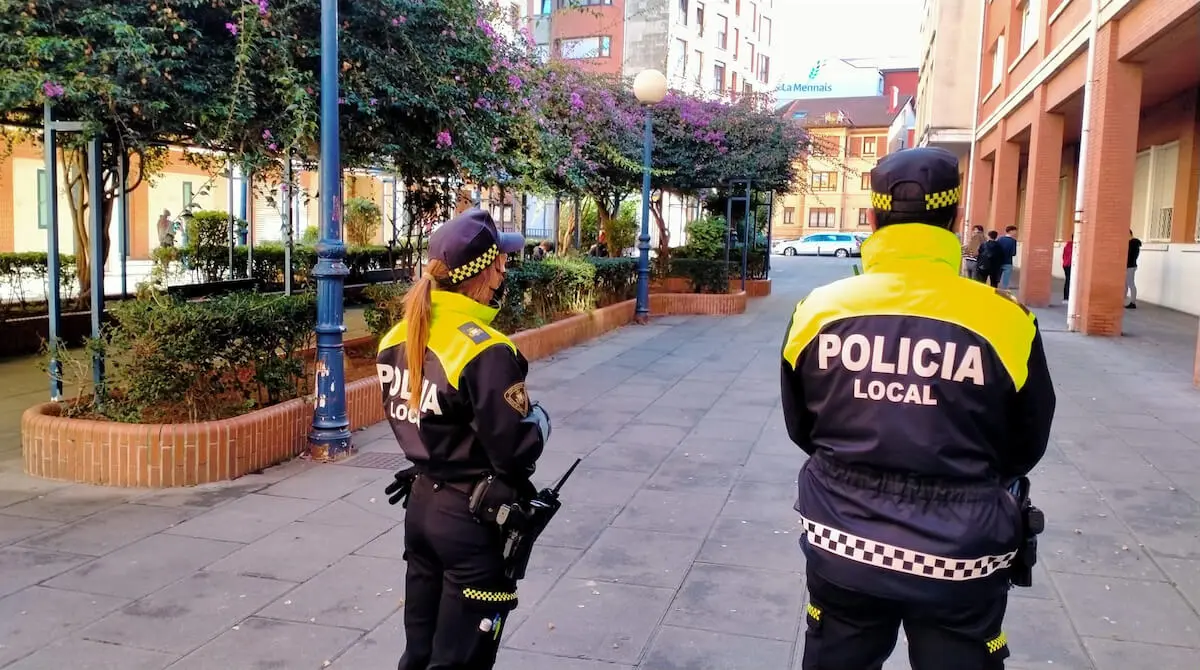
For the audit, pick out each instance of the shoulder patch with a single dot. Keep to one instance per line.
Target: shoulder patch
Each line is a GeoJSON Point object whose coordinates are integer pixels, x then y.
{"type": "Point", "coordinates": [517, 398]}
{"type": "Point", "coordinates": [1011, 298]}
{"type": "Point", "coordinates": [474, 332]}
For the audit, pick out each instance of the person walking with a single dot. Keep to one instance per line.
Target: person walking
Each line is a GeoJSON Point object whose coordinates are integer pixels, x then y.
{"type": "Point", "coordinates": [990, 266]}
{"type": "Point", "coordinates": [1068, 257]}
{"type": "Point", "coordinates": [971, 251]}
{"type": "Point", "coordinates": [920, 397]}
{"type": "Point", "coordinates": [1008, 242]}
{"type": "Point", "coordinates": [1131, 264]}
{"type": "Point", "coordinates": [454, 394]}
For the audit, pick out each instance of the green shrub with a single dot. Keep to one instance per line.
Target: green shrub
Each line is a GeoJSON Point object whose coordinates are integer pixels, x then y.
{"type": "Point", "coordinates": [386, 306]}
{"type": "Point", "coordinates": [22, 270]}
{"type": "Point", "coordinates": [706, 238]}
{"type": "Point", "coordinates": [363, 220]}
{"type": "Point", "coordinates": [706, 276]}
{"type": "Point", "coordinates": [616, 279]}
{"type": "Point", "coordinates": [268, 262]}
{"type": "Point", "coordinates": [172, 361]}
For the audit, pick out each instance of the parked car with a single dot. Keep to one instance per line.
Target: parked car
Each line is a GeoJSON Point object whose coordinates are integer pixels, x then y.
{"type": "Point", "coordinates": [842, 245]}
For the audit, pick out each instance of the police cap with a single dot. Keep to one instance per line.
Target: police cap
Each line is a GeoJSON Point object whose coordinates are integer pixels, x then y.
{"type": "Point", "coordinates": [469, 243]}
{"type": "Point", "coordinates": [934, 173]}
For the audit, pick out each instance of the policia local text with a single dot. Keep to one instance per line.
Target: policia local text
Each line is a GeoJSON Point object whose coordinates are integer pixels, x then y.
{"type": "Point", "coordinates": [923, 357]}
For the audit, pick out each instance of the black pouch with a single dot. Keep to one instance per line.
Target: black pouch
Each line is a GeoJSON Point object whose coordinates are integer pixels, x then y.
{"type": "Point", "coordinates": [491, 500]}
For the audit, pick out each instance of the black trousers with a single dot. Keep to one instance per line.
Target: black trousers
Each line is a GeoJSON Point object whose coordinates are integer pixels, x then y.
{"type": "Point", "coordinates": [989, 276]}
{"type": "Point", "coordinates": [457, 599]}
{"type": "Point", "coordinates": [848, 630]}
{"type": "Point", "coordinates": [1067, 283]}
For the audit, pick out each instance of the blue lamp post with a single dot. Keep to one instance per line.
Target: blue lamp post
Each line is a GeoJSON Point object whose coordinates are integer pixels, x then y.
{"type": "Point", "coordinates": [649, 87]}
{"type": "Point", "coordinates": [330, 436]}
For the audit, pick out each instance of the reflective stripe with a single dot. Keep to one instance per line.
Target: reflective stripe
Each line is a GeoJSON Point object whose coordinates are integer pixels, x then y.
{"type": "Point", "coordinates": [997, 643]}
{"type": "Point", "coordinates": [814, 612]}
{"type": "Point", "coordinates": [489, 596]}
{"type": "Point", "coordinates": [898, 559]}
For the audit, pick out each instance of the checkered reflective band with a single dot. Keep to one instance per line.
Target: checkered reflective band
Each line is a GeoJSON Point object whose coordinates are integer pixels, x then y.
{"type": "Point", "coordinates": [881, 201]}
{"type": "Point", "coordinates": [899, 559]}
{"type": "Point", "coordinates": [942, 198]}
{"type": "Point", "coordinates": [476, 266]}
{"type": "Point", "coordinates": [489, 596]}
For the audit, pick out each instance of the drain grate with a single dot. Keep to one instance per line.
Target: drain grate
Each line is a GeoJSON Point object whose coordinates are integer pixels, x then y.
{"type": "Point", "coordinates": [378, 459]}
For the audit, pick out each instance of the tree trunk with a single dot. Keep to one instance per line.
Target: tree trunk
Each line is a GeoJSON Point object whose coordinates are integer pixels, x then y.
{"type": "Point", "coordinates": [664, 235]}
{"type": "Point", "coordinates": [78, 186]}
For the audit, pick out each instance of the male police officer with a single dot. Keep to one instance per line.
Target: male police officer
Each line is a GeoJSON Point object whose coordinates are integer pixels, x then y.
{"type": "Point", "coordinates": [919, 396]}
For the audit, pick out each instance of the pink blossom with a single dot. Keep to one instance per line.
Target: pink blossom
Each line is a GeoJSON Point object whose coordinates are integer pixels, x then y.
{"type": "Point", "coordinates": [232, 28]}
{"type": "Point", "coordinates": [262, 7]}
{"type": "Point", "coordinates": [52, 89]}
{"type": "Point", "coordinates": [399, 19]}
{"type": "Point", "coordinates": [273, 147]}
{"type": "Point", "coordinates": [444, 140]}
{"type": "Point", "coordinates": [266, 134]}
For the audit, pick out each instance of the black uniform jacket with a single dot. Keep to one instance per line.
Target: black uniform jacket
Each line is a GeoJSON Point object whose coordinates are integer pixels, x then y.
{"type": "Point", "coordinates": [473, 398]}
{"type": "Point", "coordinates": [919, 396]}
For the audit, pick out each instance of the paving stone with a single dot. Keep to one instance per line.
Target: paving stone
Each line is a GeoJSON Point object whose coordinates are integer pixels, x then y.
{"type": "Point", "coordinates": [680, 417]}
{"type": "Point", "coordinates": [358, 592]}
{"type": "Point", "coordinates": [1124, 655]}
{"type": "Point", "coordinates": [18, 487]}
{"type": "Point", "coordinates": [1184, 575]}
{"type": "Point", "coordinates": [546, 566]}
{"type": "Point", "coordinates": [628, 457]}
{"type": "Point", "coordinates": [246, 520]}
{"type": "Point", "coordinates": [687, 649]}
{"type": "Point", "coordinates": [644, 558]}
{"type": "Point", "coordinates": [24, 566]}
{"type": "Point", "coordinates": [684, 472]}
{"type": "Point", "coordinates": [205, 496]}
{"type": "Point", "coordinates": [264, 643]}
{"type": "Point", "coordinates": [1097, 549]}
{"type": "Point", "coordinates": [1108, 607]}
{"type": "Point", "coordinates": [649, 434]}
{"type": "Point", "coordinates": [16, 528]}
{"type": "Point", "coordinates": [296, 552]}
{"type": "Point", "coordinates": [372, 500]}
{"type": "Point", "coordinates": [732, 452]}
{"type": "Point", "coordinates": [595, 486]}
{"type": "Point", "coordinates": [144, 566]}
{"type": "Point", "coordinates": [387, 545]}
{"type": "Point", "coordinates": [36, 616]}
{"type": "Point", "coordinates": [770, 545]}
{"type": "Point", "coordinates": [684, 513]}
{"type": "Point", "coordinates": [577, 525]}
{"type": "Point", "coordinates": [1040, 635]}
{"type": "Point", "coordinates": [69, 503]}
{"type": "Point", "coordinates": [731, 426]}
{"type": "Point", "coordinates": [187, 614]}
{"type": "Point", "coordinates": [381, 648]}
{"type": "Point", "coordinates": [117, 527]}
{"type": "Point", "coordinates": [82, 654]}
{"type": "Point", "coordinates": [511, 659]}
{"type": "Point", "coordinates": [576, 619]}
{"type": "Point", "coordinates": [740, 601]}
{"type": "Point", "coordinates": [327, 482]}
{"type": "Point", "coordinates": [343, 513]}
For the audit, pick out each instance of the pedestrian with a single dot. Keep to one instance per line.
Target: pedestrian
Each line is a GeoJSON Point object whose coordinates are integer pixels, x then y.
{"type": "Point", "coordinates": [971, 251]}
{"type": "Point", "coordinates": [1131, 264]}
{"type": "Point", "coordinates": [919, 397]}
{"type": "Point", "coordinates": [990, 266]}
{"type": "Point", "coordinates": [541, 251]}
{"type": "Point", "coordinates": [1008, 242]}
{"type": "Point", "coordinates": [1068, 257]}
{"type": "Point", "coordinates": [454, 394]}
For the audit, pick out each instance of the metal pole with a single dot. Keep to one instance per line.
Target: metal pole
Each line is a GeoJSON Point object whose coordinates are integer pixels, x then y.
{"type": "Point", "coordinates": [123, 223]}
{"type": "Point", "coordinates": [1081, 172]}
{"type": "Point", "coordinates": [728, 226]}
{"type": "Point", "coordinates": [642, 311]}
{"type": "Point", "coordinates": [96, 235]}
{"type": "Point", "coordinates": [330, 436]}
{"type": "Point", "coordinates": [246, 212]}
{"type": "Point", "coordinates": [746, 237]}
{"type": "Point", "coordinates": [395, 208]}
{"type": "Point", "coordinates": [289, 227]}
{"type": "Point", "coordinates": [770, 226]}
{"type": "Point", "coordinates": [557, 218]}
{"type": "Point", "coordinates": [232, 222]}
{"type": "Point", "coordinates": [53, 264]}
{"type": "Point", "coordinates": [578, 223]}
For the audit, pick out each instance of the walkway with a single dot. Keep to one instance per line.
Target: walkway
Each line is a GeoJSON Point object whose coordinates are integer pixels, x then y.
{"type": "Point", "coordinates": [676, 548]}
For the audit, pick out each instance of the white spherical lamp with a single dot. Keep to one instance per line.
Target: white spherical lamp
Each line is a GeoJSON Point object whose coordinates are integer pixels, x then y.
{"type": "Point", "coordinates": [650, 87]}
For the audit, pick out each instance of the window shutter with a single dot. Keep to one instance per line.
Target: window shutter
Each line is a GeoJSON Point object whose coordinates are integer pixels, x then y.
{"type": "Point", "coordinates": [855, 146]}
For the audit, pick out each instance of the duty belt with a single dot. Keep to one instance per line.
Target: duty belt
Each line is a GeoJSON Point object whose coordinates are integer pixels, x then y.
{"type": "Point", "coordinates": [899, 559]}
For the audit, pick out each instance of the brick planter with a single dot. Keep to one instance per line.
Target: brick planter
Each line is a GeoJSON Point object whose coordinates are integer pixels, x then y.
{"type": "Point", "coordinates": [755, 288]}
{"type": "Point", "coordinates": [109, 453]}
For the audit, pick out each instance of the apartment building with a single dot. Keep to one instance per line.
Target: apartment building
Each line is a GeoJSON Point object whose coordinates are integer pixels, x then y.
{"type": "Point", "coordinates": [707, 47]}
{"type": "Point", "coordinates": [849, 136]}
{"type": "Point", "coordinates": [1141, 173]}
{"type": "Point", "coordinates": [949, 65]}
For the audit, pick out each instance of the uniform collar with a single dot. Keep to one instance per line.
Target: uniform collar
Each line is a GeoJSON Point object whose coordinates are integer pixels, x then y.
{"type": "Point", "coordinates": [448, 302]}
{"type": "Point", "coordinates": [905, 245]}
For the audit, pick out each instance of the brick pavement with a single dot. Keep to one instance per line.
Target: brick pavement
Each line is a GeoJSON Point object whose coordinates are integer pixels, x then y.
{"type": "Point", "coordinates": [676, 548]}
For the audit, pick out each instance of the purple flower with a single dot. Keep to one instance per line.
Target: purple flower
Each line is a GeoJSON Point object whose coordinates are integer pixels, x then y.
{"type": "Point", "coordinates": [576, 101]}
{"type": "Point", "coordinates": [273, 147]}
{"type": "Point", "coordinates": [515, 81]}
{"type": "Point", "coordinates": [232, 28]}
{"type": "Point", "coordinates": [444, 140]}
{"type": "Point", "coordinates": [399, 19]}
{"type": "Point", "coordinates": [266, 134]}
{"type": "Point", "coordinates": [373, 101]}
{"type": "Point", "coordinates": [341, 101]}
{"type": "Point", "coordinates": [262, 7]}
{"type": "Point", "coordinates": [52, 90]}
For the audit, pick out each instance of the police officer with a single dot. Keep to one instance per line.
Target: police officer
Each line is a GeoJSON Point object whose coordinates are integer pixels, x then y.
{"type": "Point", "coordinates": [919, 396]}
{"type": "Point", "coordinates": [454, 394]}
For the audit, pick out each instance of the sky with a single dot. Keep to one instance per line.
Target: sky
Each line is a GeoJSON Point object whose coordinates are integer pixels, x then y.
{"type": "Point", "coordinates": [811, 29]}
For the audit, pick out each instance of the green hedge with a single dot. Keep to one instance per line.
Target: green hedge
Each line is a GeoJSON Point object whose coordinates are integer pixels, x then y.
{"type": "Point", "coordinates": [212, 263]}
{"type": "Point", "coordinates": [173, 361]}
{"type": "Point", "coordinates": [21, 271]}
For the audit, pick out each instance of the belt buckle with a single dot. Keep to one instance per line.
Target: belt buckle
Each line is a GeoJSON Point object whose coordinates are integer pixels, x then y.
{"type": "Point", "coordinates": [437, 486]}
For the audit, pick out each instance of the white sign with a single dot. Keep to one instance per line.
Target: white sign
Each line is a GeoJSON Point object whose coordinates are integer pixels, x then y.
{"type": "Point", "coordinates": [831, 79]}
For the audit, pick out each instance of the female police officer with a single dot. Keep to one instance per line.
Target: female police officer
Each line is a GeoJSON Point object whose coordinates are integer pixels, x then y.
{"type": "Point", "coordinates": [454, 394]}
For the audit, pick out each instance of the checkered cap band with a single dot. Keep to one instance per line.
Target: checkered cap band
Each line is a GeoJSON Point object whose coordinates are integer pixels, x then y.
{"type": "Point", "coordinates": [464, 272]}
{"type": "Point", "coordinates": [881, 201]}
{"type": "Point", "coordinates": [489, 596]}
{"type": "Point", "coordinates": [942, 198]}
{"type": "Point", "coordinates": [898, 559]}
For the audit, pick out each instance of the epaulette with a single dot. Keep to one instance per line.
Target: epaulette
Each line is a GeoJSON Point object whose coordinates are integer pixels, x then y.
{"type": "Point", "coordinates": [474, 332]}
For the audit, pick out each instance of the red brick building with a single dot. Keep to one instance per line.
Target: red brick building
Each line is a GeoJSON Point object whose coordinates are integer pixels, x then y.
{"type": "Point", "coordinates": [1142, 167]}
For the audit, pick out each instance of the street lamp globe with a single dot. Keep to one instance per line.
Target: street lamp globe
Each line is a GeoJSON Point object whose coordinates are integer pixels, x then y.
{"type": "Point", "coordinates": [650, 87]}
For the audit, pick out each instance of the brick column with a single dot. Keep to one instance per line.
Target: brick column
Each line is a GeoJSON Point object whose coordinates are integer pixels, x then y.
{"type": "Point", "coordinates": [1041, 204]}
{"type": "Point", "coordinates": [1187, 181]}
{"type": "Point", "coordinates": [1108, 195]}
{"type": "Point", "coordinates": [981, 187]}
{"type": "Point", "coordinates": [8, 222]}
{"type": "Point", "coordinates": [1003, 210]}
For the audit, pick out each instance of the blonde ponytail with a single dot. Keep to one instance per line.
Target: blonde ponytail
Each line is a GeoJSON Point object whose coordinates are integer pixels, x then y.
{"type": "Point", "coordinates": [417, 311]}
